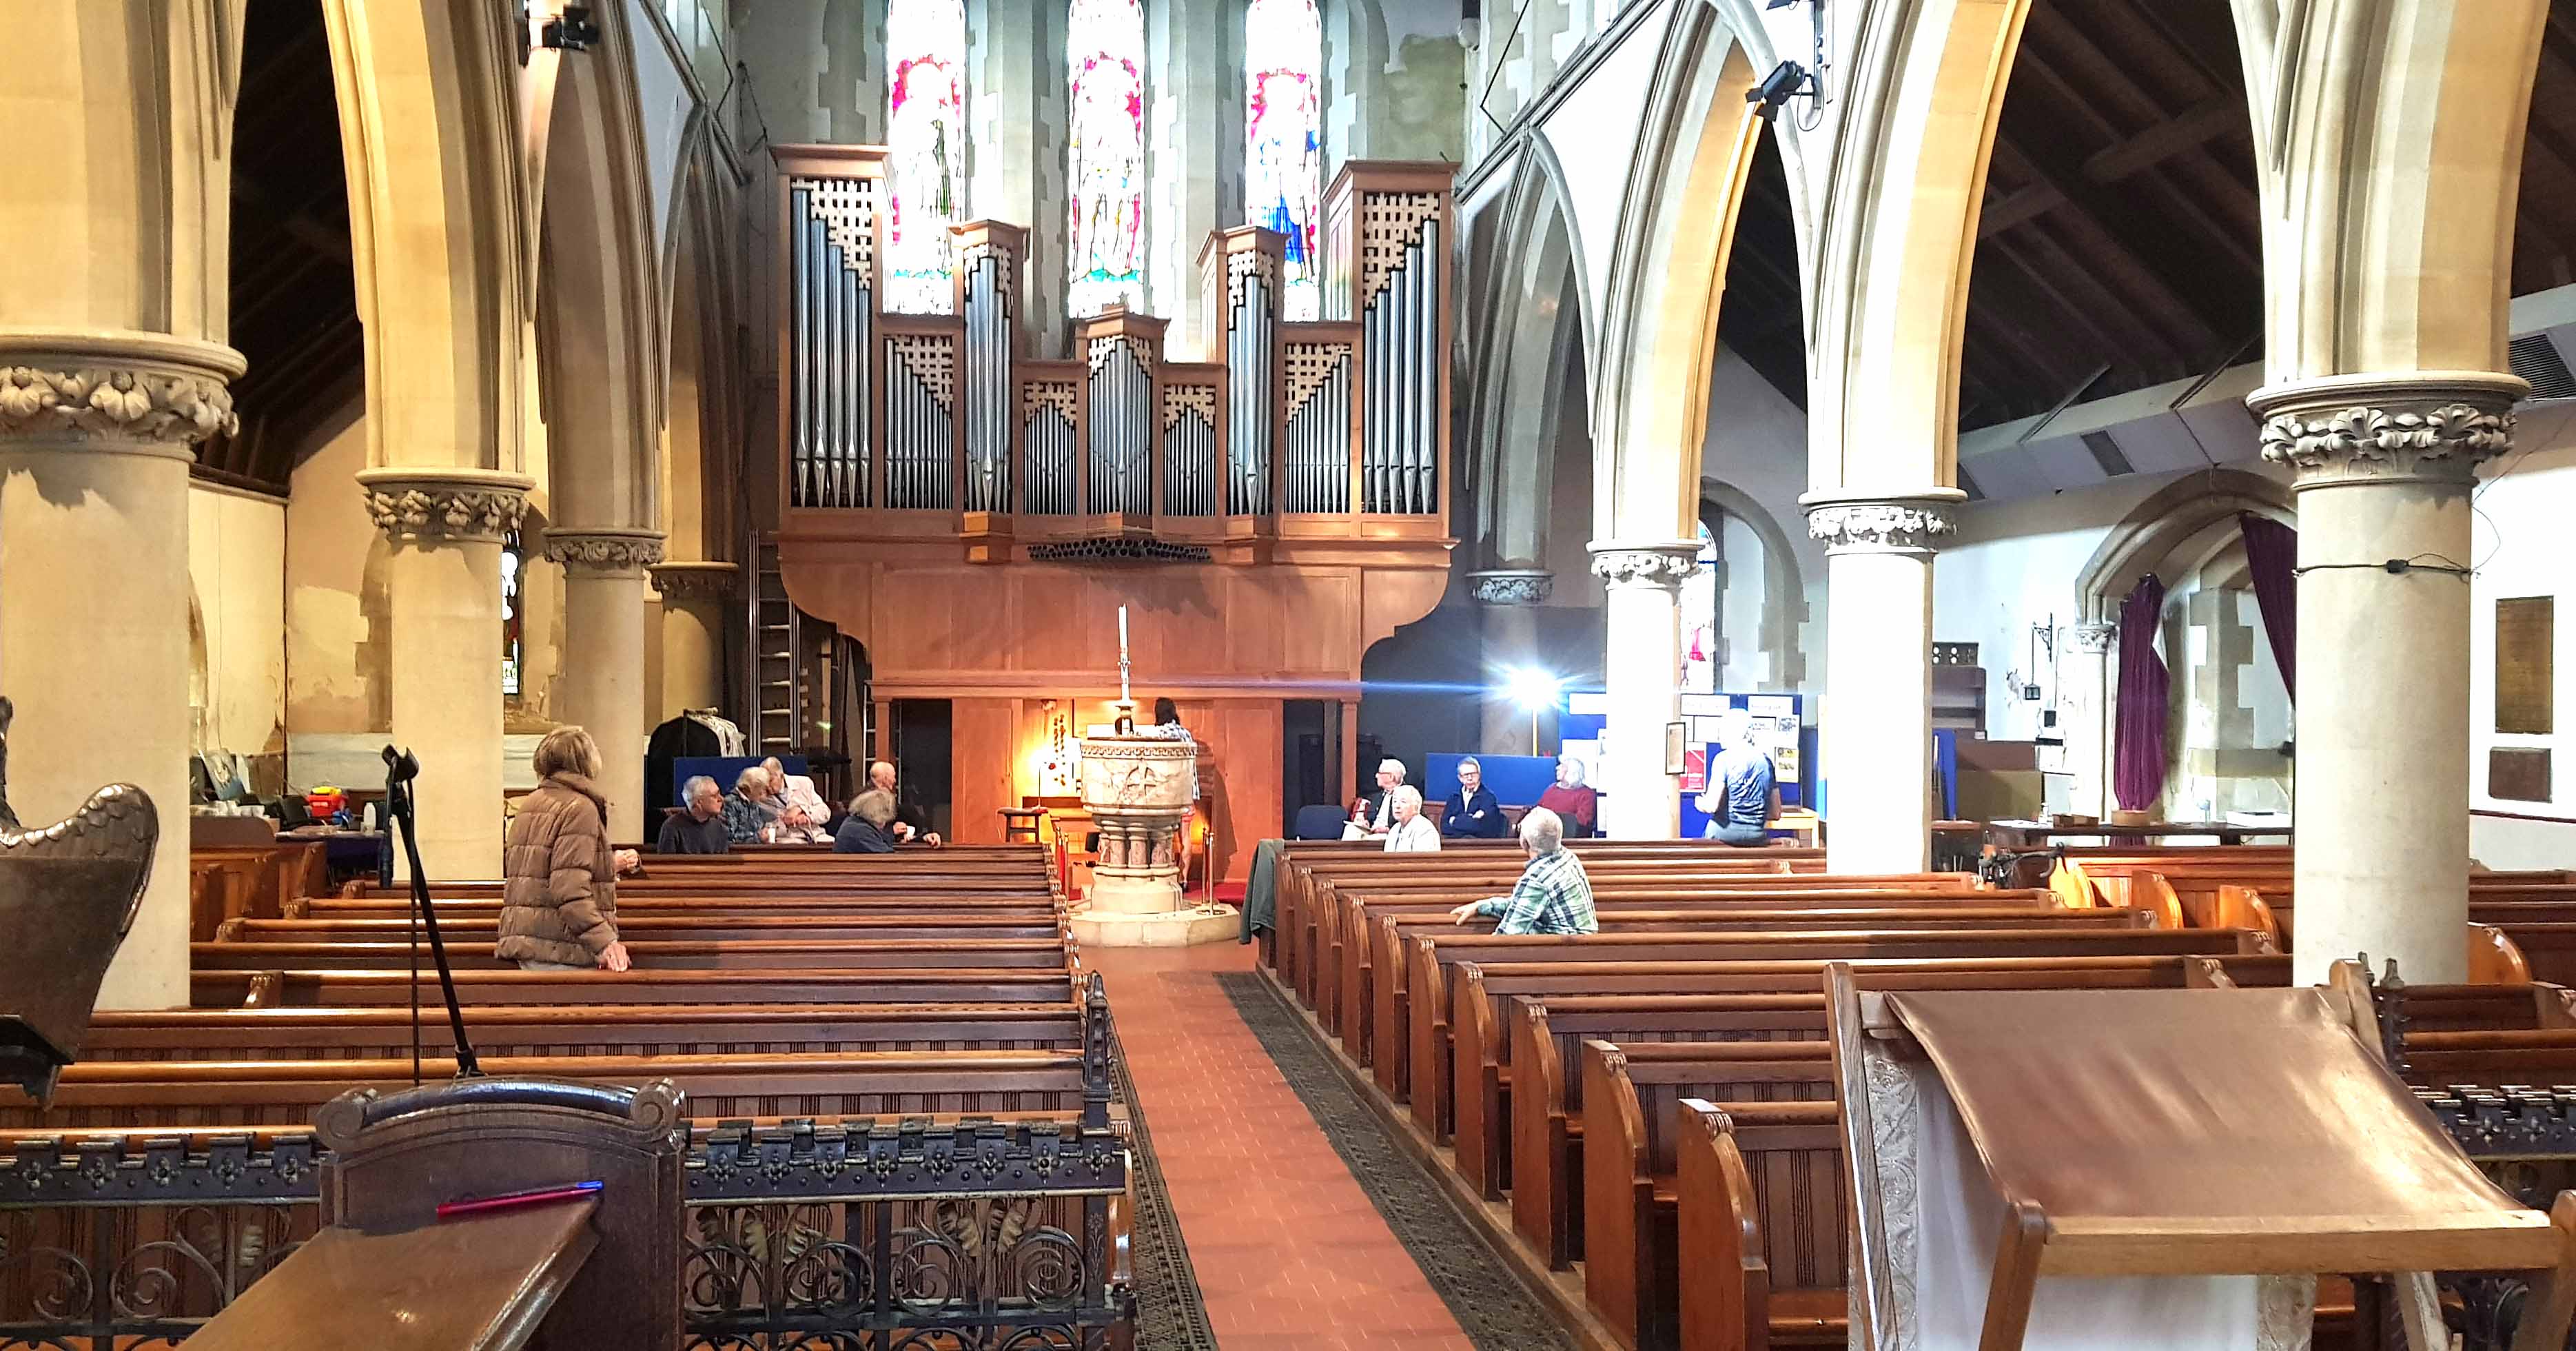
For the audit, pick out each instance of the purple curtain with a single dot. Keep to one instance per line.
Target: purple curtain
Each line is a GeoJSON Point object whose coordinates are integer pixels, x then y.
{"type": "Point", "coordinates": [2272, 555]}
{"type": "Point", "coordinates": [2138, 738]}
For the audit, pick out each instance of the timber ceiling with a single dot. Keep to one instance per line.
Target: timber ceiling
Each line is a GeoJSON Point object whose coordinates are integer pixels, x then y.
{"type": "Point", "coordinates": [2120, 245]}
{"type": "Point", "coordinates": [294, 303]}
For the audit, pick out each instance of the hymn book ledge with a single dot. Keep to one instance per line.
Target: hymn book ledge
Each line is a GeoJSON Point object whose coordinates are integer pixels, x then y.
{"type": "Point", "coordinates": [2104, 1149]}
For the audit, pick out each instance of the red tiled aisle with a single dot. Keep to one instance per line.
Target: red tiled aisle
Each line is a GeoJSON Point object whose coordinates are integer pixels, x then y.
{"type": "Point", "coordinates": [1289, 1252]}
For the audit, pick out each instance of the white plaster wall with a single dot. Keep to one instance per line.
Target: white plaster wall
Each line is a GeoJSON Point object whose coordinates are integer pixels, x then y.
{"type": "Point", "coordinates": [1756, 443]}
{"type": "Point", "coordinates": [237, 570]}
{"type": "Point", "coordinates": [2520, 547]}
{"type": "Point", "coordinates": [662, 92]}
{"type": "Point", "coordinates": [1594, 134]}
{"type": "Point", "coordinates": [2012, 565]}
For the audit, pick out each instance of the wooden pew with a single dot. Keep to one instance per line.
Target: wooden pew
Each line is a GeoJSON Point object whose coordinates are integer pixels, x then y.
{"type": "Point", "coordinates": [1306, 890]}
{"type": "Point", "coordinates": [1633, 1262]}
{"type": "Point", "coordinates": [1306, 866]}
{"type": "Point", "coordinates": [250, 880]}
{"type": "Point", "coordinates": [133, 1094]}
{"type": "Point", "coordinates": [1348, 947]}
{"type": "Point", "coordinates": [1420, 1022]}
{"type": "Point", "coordinates": [718, 927]}
{"type": "Point", "coordinates": [821, 901]}
{"type": "Point", "coordinates": [1501, 1099]}
{"type": "Point", "coordinates": [581, 1029]}
{"type": "Point", "coordinates": [311, 986]}
{"type": "Point", "coordinates": [1376, 955]}
{"type": "Point", "coordinates": [652, 954]}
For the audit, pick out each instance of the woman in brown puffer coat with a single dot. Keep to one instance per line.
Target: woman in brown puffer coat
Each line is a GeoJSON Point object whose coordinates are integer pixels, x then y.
{"type": "Point", "coordinates": [558, 874]}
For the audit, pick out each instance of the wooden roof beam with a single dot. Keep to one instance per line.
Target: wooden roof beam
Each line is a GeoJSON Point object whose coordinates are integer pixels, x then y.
{"type": "Point", "coordinates": [2181, 134]}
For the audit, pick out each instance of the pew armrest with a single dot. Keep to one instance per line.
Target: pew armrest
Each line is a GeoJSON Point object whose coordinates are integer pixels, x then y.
{"type": "Point", "coordinates": [484, 1284]}
{"type": "Point", "coordinates": [2495, 959]}
{"type": "Point", "coordinates": [1726, 1304]}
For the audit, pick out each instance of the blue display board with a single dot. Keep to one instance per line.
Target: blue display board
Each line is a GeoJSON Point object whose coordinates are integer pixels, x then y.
{"type": "Point", "coordinates": [1793, 756]}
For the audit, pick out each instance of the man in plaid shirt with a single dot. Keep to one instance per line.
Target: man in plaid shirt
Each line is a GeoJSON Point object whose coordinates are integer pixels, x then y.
{"type": "Point", "coordinates": [1552, 897]}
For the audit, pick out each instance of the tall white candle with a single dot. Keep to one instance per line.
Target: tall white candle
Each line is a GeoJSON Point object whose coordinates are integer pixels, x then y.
{"type": "Point", "coordinates": [1122, 630]}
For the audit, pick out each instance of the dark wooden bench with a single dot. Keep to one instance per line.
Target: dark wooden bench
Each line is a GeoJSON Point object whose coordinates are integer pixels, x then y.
{"type": "Point", "coordinates": [632, 927]}
{"type": "Point", "coordinates": [1413, 1015]}
{"type": "Point", "coordinates": [581, 1029]}
{"type": "Point", "coordinates": [1502, 1100]}
{"type": "Point", "coordinates": [307, 986]}
{"type": "Point", "coordinates": [652, 954]}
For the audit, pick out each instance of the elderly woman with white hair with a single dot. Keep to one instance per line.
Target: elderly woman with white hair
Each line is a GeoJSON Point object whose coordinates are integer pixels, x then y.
{"type": "Point", "coordinates": [751, 810]}
{"type": "Point", "coordinates": [1573, 799]}
{"type": "Point", "coordinates": [1413, 832]}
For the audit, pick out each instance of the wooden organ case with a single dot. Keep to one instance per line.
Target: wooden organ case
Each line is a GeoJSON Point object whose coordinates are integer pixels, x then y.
{"type": "Point", "coordinates": [974, 517]}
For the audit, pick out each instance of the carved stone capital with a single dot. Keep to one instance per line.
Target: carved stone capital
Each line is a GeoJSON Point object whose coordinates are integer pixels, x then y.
{"type": "Point", "coordinates": [2092, 638]}
{"type": "Point", "coordinates": [129, 391]}
{"type": "Point", "coordinates": [695, 581]}
{"type": "Point", "coordinates": [1880, 525]}
{"type": "Point", "coordinates": [616, 553]}
{"type": "Point", "coordinates": [445, 506]}
{"type": "Point", "coordinates": [1512, 586]}
{"type": "Point", "coordinates": [2414, 426]}
{"type": "Point", "coordinates": [1658, 563]}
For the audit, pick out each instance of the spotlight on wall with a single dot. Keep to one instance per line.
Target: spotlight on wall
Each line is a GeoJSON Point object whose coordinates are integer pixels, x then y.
{"type": "Point", "coordinates": [1786, 81]}
{"type": "Point", "coordinates": [1531, 688]}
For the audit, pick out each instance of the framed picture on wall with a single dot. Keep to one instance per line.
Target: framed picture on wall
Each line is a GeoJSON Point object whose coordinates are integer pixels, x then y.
{"type": "Point", "coordinates": [1676, 746]}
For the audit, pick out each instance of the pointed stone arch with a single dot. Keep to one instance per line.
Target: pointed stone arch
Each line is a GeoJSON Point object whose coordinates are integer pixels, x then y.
{"type": "Point", "coordinates": [1533, 299]}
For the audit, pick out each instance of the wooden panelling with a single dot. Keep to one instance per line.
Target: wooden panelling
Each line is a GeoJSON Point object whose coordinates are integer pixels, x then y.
{"type": "Point", "coordinates": [2525, 665]}
{"type": "Point", "coordinates": [984, 753]}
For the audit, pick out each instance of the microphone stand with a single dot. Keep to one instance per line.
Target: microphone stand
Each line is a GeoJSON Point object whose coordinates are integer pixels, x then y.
{"type": "Point", "coordinates": [400, 770]}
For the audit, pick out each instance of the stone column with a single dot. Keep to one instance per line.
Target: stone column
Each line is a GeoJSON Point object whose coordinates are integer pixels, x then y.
{"type": "Point", "coordinates": [1510, 598]}
{"type": "Point", "coordinates": [602, 686]}
{"type": "Point", "coordinates": [2384, 466]}
{"type": "Point", "coordinates": [1643, 665]}
{"type": "Point", "coordinates": [1877, 721]}
{"type": "Point", "coordinates": [443, 584]}
{"type": "Point", "coordinates": [697, 606]}
{"type": "Point", "coordinates": [95, 429]}
{"type": "Point", "coordinates": [2084, 713]}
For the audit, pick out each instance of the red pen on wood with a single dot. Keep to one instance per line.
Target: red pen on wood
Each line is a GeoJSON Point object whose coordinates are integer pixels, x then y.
{"type": "Point", "coordinates": [483, 1205]}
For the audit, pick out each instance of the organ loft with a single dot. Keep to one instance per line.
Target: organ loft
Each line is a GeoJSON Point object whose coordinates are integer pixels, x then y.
{"type": "Point", "coordinates": [971, 517]}
{"type": "Point", "coordinates": [1282, 675]}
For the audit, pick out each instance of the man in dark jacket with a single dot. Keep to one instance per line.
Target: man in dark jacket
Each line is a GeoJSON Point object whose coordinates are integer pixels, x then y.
{"type": "Point", "coordinates": [911, 823]}
{"type": "Point", "coordinates": [700, 827]}
{"type": "Point", "coordinates": [1472, 812]}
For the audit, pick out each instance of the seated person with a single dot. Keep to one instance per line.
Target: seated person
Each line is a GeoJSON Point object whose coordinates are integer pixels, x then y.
{"type": "Point", "coordinates": [1379, 817]}
{"type": "Point", "coordinates": [802, 812]}
{"type": "Point", "coordinates": [1413, 833]}
{"type": "Point", "coordinates": [911, 823]}
{"type": "Point", "coordinates": [698, 828]}
{"type": "Point", "coordinates": [1742, 796]}
{"type": "Point", "coordinates": [1471, 812]}
{"type": "Point", "coordinates": [1573, 799]}
{"type": "Point", "coordinates": [1553, 895]}
{"type": "Point", "coordinates": [869, 828]}
{"type": "Point", "coordinates": [751, 809]}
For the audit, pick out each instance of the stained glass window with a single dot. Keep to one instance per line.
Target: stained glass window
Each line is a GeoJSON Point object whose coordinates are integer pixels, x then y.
{"type": "Point", "coordinates": [926, 131]}
{"type": "Point", "coordinates": [514, 625]}
{"type": "Point", "coordinates": [1700, 618]}
{"type": "Point", "coordinates": [1283, 166]}
{"type": "Point", "coordinates": [1105, 158]}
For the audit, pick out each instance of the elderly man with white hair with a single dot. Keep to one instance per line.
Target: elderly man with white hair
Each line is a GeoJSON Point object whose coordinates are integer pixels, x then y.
{"type": "Point", "coordinates": [1553, 895]}
{"type": "Point", "coordinates": [1379, 815]}
{"type": "Point", "coordinates": [699, 827]}
{"type": "Point", "coordinates": [1413, 832]}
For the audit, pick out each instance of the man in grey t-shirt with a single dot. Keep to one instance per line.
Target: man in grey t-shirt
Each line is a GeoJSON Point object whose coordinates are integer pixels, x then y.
{"type": "Point", "coordinates": [1743, 794]}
